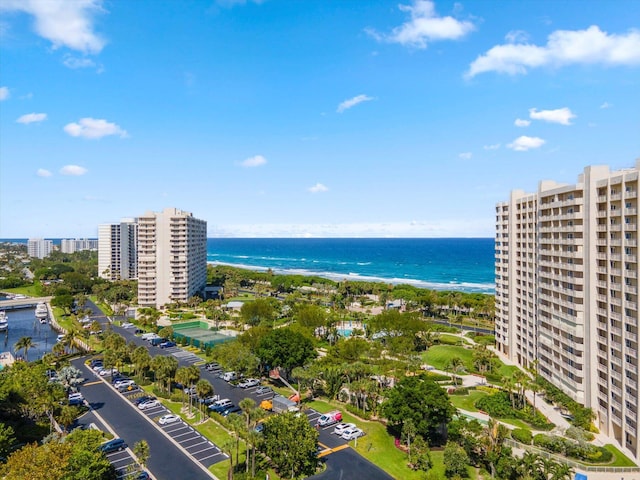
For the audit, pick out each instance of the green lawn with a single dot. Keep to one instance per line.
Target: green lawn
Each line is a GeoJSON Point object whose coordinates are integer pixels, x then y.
{"type": "Point", "coordinates": [29, 290]}
{"type": "Point", "coordinates": [620, 459]}
{"type": "Point", "coordinates": [447, 339]}
{"type": "Point", "coordinates": [440, 355]}
{"type": "Point", "coordinates": [466, 402]}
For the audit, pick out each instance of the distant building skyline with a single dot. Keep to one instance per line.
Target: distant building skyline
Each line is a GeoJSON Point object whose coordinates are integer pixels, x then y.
{"type": "Point", "coordinates": [39, 247]}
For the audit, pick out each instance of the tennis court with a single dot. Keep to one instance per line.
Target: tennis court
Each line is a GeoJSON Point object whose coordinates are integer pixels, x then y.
{"type": "Point", "coordinates": [198, 334]}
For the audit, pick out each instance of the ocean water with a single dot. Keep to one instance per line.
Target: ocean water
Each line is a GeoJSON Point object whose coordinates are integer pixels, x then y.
{"type": "Point", "coordinates": [463, 264]}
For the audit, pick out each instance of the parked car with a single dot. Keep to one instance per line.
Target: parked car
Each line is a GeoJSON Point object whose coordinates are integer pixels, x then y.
{"type": "Point", "coordinates": [75, 399]}
{"type": "Point", "coordinates": [168, 418]}
{"type": "Point", "coordinates": [123, 383]}
{"type": "Point", "coordinates": [167, 344]}
{"type": "Point", "coordinates": [149, 336]}
{"type": "Point", "coordinates": [212, 366]}
{"type": "Point", "coordinates": [228, 376]}
{"type": "Point", "coordinates": [97, 366]}
{"type": "Point", "coordinates": [221, 405]}
{"type": "Point", "coordinates": [148, 404]}
{"type": "Point", "coordinates": [264, 390]}
{"type": "Point", "coordinates": [113, 445]}
{"type": "Point", "coordinates": [209, 400]}
{"type": "Point", "coordinates": [142, 476]}
{"type": "Point", "coordinates": [341, 427]}
{"type": "Point", "coordinates": [330, 418]}
{"type": "Point", "coordinates": [144, 398]}
{"type": "Point", "coordinates": [352, 433]}
{"type": "Point", "coordinates": [107, 372]}
{"type": "Point", "coordinates": [230, 410]}
{"type": "Point", "coordinates": [127, 388]}
{"type": "Point", "coordinates": [249, 382]}
{"type": "Point", "coordinates": [127, 325]}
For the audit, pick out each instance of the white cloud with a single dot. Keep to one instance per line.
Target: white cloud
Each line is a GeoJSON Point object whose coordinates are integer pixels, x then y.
{"type": "Point", "coordinates": [522, 123]}
{"type": "Point", "coordinates": [318, 188]}
{"type": "Point", "coordinates": [606, 105]}
{"type": "Point", "coordinates": [255, 161]}
{"type": "Point", "coordinates": [495, 146]}
{"type": "Point", "coordinates": [65, 23]}
{"type": "Point", "coordinates": [94, 128]}
{"type": "Point", "coordinates": [564, 47]}
{"type": "Point", "coordinates": [562, 116]}
{"type": "Point", "coordinates": [78, 62]}
{"type": "Point", "coordinates": [41, 172]}
{"type": "Point", "coordinates": [424, 26]}
{"type": "Point", "coordinates": [352, 102]}
{"type": "Point", "coordinates": [32, 118]}
{"type": "Point", "coordinates": [74, 170]}
{"type": "Point", "coordinates": [4, 93]}
{"type": "Point", "coordinates": [466, 155]}
{"type": "Point", "coordinates": [516, 36]}
{"type": "Point", "coordinates": [462, 227]}
{"type": "Point", "coordinates": [524, 143]}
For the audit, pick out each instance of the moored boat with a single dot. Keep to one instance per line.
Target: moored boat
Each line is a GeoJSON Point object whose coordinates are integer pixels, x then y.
{"type": "Point", "coordinates": [42, 312]}
{"type": "Point", "coordinates": [4, 322]}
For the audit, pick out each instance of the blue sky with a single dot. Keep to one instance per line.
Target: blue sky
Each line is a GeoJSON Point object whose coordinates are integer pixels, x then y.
{"type": "Point", "coordinates": [316, 118]}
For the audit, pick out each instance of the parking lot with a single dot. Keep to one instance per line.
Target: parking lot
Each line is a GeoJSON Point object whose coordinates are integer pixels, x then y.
{"type": "Point", "coordinates": [189, 439]}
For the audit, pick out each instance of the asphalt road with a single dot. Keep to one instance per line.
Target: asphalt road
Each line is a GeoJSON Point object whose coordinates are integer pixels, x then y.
{"type": "Point", "coordinates": [347, 464]}
{"type": "Point", "coordinates": [166, 461]}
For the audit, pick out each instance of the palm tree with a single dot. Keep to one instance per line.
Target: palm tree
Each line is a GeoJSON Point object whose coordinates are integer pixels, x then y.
{"type": "Point", "coordinates": [248, 406]}
{"type": "Point", "coordinates": [182, 376]}
{"type": "Point", "coordinates": [455, 365]}
{"type": "Point", "coordinates": [24, 344]}
{"type": "Point", "coordinates": [204, 389]}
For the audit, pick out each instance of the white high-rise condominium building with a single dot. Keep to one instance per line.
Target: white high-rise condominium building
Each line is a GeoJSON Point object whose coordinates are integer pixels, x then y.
{"type": "Point", "coordinates": [117, 250]}
{"type": "Point", "coordinates": [68, 245]}
{"type": "Point", "coordinates": [39, 247]}
{"type": "Point", "coordinates": [567, 291]}
{"type": "Point", "coordinates": [172, 257]}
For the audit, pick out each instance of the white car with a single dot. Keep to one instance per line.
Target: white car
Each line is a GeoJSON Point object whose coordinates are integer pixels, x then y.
{"type": "Point", "coordinates": [106, 372]}
{"type": "Point", "coordinates": [168, 418]}
{"type": "Point", "coordinates": [76, 396]}
{"type": "Point", "coordinates": [148, 404]}
{"type": "Point", "coordinates": [124, 383]}
{"type": "Point", "coordinates": [352, 433]}
{"type": "Point", "coordinates": [249, 382]}
{"type": "Point", "coordinates": [341, 427]}
{"type": "Point", "coordinates": [127, 325]}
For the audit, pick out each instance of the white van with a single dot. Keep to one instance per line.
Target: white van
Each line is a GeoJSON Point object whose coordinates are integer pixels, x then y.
{"type": "Point", "coordinates": [149, 336]}
{"type": "Point", "coordinates": [228, 376]}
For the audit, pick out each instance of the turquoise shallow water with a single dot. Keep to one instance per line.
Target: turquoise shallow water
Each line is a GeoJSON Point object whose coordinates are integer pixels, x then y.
{"type": "Point", "coordinates": [464, 264]}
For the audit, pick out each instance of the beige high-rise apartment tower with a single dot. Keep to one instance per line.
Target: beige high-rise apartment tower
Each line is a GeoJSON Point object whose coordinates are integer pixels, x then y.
{"type": "Point", "coordinates": [172, 257]}
{"type": "Point", "coordinates": [567, 291]}
{"type": "Point", "coordinates": [117, 250]}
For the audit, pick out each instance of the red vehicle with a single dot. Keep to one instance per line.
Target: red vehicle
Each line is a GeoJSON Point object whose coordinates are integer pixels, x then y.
{"type": "Point", "coordinates": [330, 418]}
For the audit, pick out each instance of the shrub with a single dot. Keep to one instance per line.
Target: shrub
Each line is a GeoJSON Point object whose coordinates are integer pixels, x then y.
{"type": "Point", "coordinates": [366, 415]}
{"type": "Point", "coordinates": [579, 434]}
{"type": "Point", "coordinates": [522, 435]}
{"type": "Point", "coordinates": [461, 391]}
{"type": "Point", "coordinates": [579, 450]}
{"type": "Point", "coordinates": [489, 390]}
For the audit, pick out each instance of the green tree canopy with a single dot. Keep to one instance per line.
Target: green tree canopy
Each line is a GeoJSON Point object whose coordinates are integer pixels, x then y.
{"type": "Point", "coordinates": [424, 402]}
{"type": "Point", "coordinates": [290, 441]}
{"type": "Point", "coordinates": [258, 311]}
{"type": "Point", "coordinates": [285, 348]}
